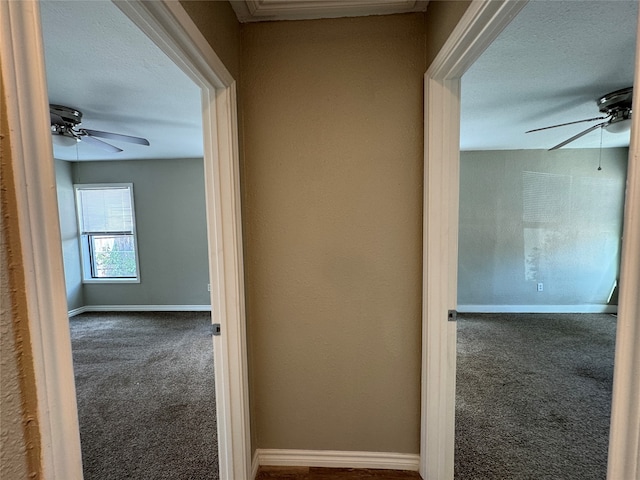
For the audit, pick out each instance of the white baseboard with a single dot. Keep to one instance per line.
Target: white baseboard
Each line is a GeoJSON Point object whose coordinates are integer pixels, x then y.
{"type": "Point", "coordinates": [337, 459]}
{"type": "Point", "coordinates": [255, 465]}
{"type": "Point", "coordinates": [140, 308]}
{"type": "Point", "coordinates": [594, 308]}
{"type": "Point", "coordinates": [76, 311]}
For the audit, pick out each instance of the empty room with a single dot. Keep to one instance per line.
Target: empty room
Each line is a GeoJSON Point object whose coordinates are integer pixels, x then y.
{"type": "Point", "coordinates": [543, 169]}
{"type": "Point", "coordinates": [131, 198]}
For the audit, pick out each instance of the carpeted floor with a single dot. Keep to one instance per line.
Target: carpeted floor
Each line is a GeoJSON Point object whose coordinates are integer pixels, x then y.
{"type": "Point", "coordinates": [146, 398]}
{"type": "Point", "coordinates": [533, 396]}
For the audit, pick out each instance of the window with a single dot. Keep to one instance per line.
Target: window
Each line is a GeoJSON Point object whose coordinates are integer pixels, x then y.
{"type": "Point", "coordinates": [106, 222]}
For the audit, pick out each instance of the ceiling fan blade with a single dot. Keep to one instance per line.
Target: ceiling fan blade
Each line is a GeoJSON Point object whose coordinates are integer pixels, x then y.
{"type": "Point", "coordinates": [100, 144]}
{"type": "Point", "coordinates": [116, 136]}
{"type": "Point", "coordinates": [56, 119]}
{"type": "Point", "coordinates": [581, 134]}
{"type": "Point", "coordinates": [568, 123]}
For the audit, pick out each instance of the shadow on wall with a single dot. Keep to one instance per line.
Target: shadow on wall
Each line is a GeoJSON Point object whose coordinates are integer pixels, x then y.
{"type": "Point", "coordinates": [538, 217]}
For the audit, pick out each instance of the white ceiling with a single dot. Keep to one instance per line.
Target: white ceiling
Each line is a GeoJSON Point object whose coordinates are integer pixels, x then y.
{"type": "Point", "coordinates": [98, 62]}
{"type": "Point", "coordinates": [547, 67]}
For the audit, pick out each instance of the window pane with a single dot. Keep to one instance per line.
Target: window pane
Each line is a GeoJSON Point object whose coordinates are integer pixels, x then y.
{"type": "Point", "coordinates": [107, 228]}
{"type": "Point", "coordinates": [105, 209]}
{"type": "Point", "coordinates": [113, 256]}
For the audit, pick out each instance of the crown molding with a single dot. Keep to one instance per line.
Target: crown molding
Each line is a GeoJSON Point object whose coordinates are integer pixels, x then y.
{"type": "Point", "coordinates": [270, 10]}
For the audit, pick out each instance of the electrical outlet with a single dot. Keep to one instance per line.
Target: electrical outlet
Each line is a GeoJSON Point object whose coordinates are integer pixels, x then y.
{"type": "Point", "coordinates": [208, 287]}
{"type": "Point", "coordinates": [540, 287]}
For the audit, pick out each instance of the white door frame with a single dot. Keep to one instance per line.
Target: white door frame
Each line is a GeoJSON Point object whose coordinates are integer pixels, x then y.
{"type": "Point", "coordinates": [22, 53]}
{"type": "Point", "coordinates": [479, 26]}
{"type": "Point", "coordinates": [624, 438]}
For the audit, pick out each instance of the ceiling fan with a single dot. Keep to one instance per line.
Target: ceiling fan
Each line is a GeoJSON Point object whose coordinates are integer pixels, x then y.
{"type": "Point", "coordinates": [65, 130]}
{"type": "Point", "coordinates": [617, 109]}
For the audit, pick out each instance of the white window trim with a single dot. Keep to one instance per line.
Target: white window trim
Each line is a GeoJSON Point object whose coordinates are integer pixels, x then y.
{"type": "Point", "coordinates": [85, 257]}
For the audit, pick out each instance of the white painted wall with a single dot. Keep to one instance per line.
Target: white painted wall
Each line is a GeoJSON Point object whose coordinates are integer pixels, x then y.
{"type": "Point", "coordinates": [533, 216]}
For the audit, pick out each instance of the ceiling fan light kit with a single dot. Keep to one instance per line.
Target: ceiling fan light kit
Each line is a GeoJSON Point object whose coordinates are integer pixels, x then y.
{"type": "Point", "coordinates": [66, 131]}
{"type": "Point", "coordinates": [617, 109]}
{"type": "Point", "coordinates": [61, 139]}
{"type": "Point", "coordinates": [620, 126]}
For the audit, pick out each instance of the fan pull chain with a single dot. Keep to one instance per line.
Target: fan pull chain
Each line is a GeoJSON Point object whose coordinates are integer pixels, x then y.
{"type": "Point", "coordinates": [600, 154]}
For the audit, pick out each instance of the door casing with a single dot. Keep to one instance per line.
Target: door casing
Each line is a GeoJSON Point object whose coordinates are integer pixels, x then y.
{"type": "Point", "coordinates": [25, 85]}
{"type": "Point", "coordinates": [22, 53]}
{"type": "Point", "coordinates": [480, 25]}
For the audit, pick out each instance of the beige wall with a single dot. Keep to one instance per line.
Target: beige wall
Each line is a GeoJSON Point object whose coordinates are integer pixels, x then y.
{"type": "Point", "coordinates": [332, 218]}
{"type": "Point", "coordinates": [19, 440]}
{"type": "Point", "coordinates": [333, 229]}
{"type": "Point", "coordinates": [331, 174]}
{"type": "Point", "coordinates": [218, 23]}
{"type": "Point", "coordinates": [441, 18]}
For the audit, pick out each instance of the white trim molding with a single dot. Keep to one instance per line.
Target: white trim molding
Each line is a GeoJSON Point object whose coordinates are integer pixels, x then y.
{"type": "Point", "coordinates": [22, 53]}
{"type": "Point", "coordinates": [255, 465]}
{"type": "Point", "coordinates": [139, 308]}
{"type": "Point", "coordinates": [261, 10]}
{"type": "Point", "coordinates": [170, 27]}
{"type": "Point", "coordinates": [624, 437]}
{"type": "Point", "coordinates": [478, 27]}
{"type": "Point", "coordinates": [76, 311]}
{"type": "Point", "coordinates": [439, 279]}
{"type": "Point", "coordinates": [337, 459]}
{"type": "Point", "coordinates": [23, 74]}
{"type": "Point", "coordinates": [587, 308]}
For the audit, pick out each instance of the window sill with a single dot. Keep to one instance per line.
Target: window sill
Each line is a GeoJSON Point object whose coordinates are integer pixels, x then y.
{"type": "Point", "coordinates": [95, 281]}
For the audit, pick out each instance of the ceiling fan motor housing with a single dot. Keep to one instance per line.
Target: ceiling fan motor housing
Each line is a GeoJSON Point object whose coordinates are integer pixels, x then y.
{"type": "Point", "coordinates": [618, 101]}
{"type": "Point", "coordinates": [68, 115]}
{"type": "Point", "coordinates": [618, 105]}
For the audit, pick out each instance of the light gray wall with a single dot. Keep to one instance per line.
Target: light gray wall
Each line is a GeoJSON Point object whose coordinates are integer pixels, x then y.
{"type": "Point", "coordinates": [169, 203]}
{"type": "Point", "coordinates": [69, 234]}
{"type": "Point", "coordinates": [531, 216]}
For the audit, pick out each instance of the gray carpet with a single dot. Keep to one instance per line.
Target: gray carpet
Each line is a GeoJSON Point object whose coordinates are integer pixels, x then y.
{"type": "Point", "coordinates": [146, 401]}
{"type": "Point", "coordinates": [533, 396]}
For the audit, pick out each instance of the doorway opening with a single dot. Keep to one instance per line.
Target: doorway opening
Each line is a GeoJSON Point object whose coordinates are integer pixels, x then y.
{"type": "Point", "coordinates": [480, 25]}
{"type": "Point", "coordinates": [539, 248]}
{"type": "Point", "coordinates": [135, 248]}
{"type": "Point", "coordinates": [168, 25]}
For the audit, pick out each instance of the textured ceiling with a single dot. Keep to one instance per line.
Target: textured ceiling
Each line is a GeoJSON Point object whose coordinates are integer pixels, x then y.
{"type": "Point", "coordinates": [98, 62]}
{"type": "Point", "coordinates": [549, 66]}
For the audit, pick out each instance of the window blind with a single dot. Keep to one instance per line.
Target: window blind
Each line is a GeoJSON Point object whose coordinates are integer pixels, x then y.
{"type": "Point", "coordinates": [105, 210]}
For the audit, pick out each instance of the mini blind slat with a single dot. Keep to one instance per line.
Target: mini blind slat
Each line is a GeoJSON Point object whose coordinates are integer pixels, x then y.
{"type": "Point", "coordinates": [105, 210]}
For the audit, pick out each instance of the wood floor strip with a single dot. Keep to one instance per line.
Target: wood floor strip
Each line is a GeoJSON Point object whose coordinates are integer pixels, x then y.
{"type": "Point", "coordinates": [320, 473]}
